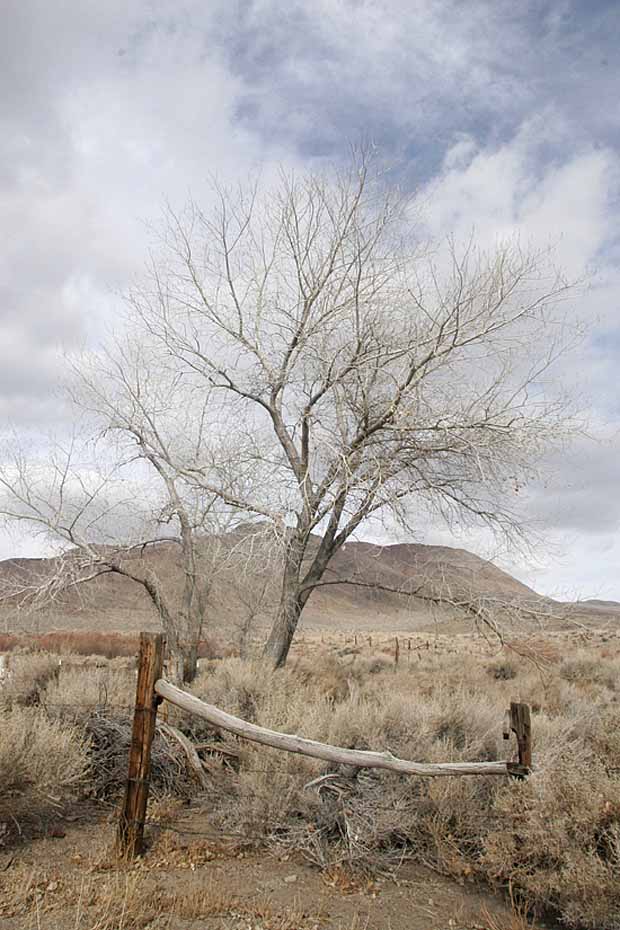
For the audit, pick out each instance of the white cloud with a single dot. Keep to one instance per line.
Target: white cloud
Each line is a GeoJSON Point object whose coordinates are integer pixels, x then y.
{"type": "Point", "coordinates": [567, 203]}
{"type": "Point", "coordinates": [509, 190]}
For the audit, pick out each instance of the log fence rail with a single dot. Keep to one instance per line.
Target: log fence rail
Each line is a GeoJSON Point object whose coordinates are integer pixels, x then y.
{"type": "Point", "coordinates": [152, 689]}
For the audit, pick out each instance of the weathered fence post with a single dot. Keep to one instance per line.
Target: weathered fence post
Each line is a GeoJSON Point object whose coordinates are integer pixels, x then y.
{"type": "Point", "coordinates": [396, 650]}
{"type": "Point", "coordinates": [130, 838]}
{"type": "Point", "coordinates": [519, 722]}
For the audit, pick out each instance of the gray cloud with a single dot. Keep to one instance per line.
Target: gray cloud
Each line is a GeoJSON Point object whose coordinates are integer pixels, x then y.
{"type": "Point", "coordinates": [581, 494]}
{"type": "Point", "coordinates": [414, 74]}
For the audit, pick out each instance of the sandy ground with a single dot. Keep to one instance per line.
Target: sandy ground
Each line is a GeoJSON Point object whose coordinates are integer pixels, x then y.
{"type": "Point", "coordinates": [189, 879]}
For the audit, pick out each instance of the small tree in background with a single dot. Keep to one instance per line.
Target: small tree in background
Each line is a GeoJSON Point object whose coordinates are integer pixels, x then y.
{"type": "Point", "coordinates": [114, 491]}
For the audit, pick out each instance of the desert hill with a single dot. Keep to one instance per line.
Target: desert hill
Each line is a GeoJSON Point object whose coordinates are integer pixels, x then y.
{"type": "Point", "coordinates": [373, 602]}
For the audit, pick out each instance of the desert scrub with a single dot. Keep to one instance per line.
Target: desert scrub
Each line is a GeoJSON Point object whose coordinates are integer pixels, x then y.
{"type": "Point", "coordinates": [557, 840]}
{"type": "Point", "coordinates": [591, 672]}
{"type": "Point", "coordinates": [29, 673]}
{"type": "Point", "coordinates": [84, 687]}
{"type": "Point", "coordinates": [503, 670]}
{"type": "Point", "coordinates": [554, 839]}
{"type": "Point", "coordinates": [42, 761]}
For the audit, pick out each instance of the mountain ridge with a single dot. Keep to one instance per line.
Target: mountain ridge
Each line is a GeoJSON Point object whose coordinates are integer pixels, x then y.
{"type": "Point", "coordinates": [367, 587]}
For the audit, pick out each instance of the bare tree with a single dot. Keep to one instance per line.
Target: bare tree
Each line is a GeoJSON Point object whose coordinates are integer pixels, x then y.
{"type": "Point", "coordinates": [297, 360]}
{"type": "Point", "coordinates": [108, 499]}
{"type": "Point", "coordinates": [356, 372]}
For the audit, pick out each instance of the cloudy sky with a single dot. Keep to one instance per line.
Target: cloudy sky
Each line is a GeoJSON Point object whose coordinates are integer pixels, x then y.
{"type": "Point", "coordinates": [504, 116]}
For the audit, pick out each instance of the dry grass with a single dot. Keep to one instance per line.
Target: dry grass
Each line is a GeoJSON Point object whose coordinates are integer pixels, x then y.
{"type": "Point", "coordinates": [27, 678]}
{"type": "Point", "coordinates": [553, 839]}
{"type": "Point", "coordinates": [88, 687]}
{"type": "Point", "coordinates": [42, 761]}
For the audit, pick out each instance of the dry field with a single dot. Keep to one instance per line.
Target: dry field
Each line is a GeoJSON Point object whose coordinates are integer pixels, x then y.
{"type": "Point", "coordinates": [259, 847]}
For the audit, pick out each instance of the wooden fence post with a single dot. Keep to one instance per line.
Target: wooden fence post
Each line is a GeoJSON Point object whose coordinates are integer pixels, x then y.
{"type": "Point", "coordinates": [130, 837]}
{"type": "Point", "coordinates": [519, 722]}
{"type": "Point", "coordinates": [396, 650]}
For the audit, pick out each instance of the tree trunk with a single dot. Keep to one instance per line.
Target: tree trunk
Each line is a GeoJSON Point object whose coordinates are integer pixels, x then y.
{"type": "Point", "coordinates": [175, 667]}
{"type": "Point", "coordinates": [244, 633]}
{"type": "Point", "coordinates": [292, 602]}
{"type": "Point", "coordinates": [295, 593]}
{"type": "Point", "coordinates": [283, 630]}
{"type": "Point", "coordinates": [190, 664]}
{"type": "Point", "coordinates": [182, 636]}
{"type": "Point", "coordinates": [182, 662]}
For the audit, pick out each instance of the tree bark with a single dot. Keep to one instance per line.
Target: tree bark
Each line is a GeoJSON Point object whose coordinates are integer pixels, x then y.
{"type": "Point", "coordinates": [298, 582]}
{"type": "Point", "coordinates": [292, 602]}
{"type": "Point", "coordinates": [190, 663]}
{"type": "Point", "coordinates": [182, 659]}
{"type": "Point", "coordinates": [283, 630]}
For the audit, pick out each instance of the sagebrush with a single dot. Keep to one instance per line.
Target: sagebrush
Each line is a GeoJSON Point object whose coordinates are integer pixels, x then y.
{"type": "Point", "coordinates": [553, 839]}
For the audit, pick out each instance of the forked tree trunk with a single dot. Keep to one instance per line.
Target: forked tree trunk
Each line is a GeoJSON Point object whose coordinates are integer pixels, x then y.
{"type": "Point", "coordinates": [292, 603]}
{"type": "Point", "coordinates": [295, 594]}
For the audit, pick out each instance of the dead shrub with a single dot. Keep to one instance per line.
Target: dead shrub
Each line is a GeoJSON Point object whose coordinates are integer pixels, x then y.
{"type": "Point", "coordinates": [27, 678]}
{"type": "Point", "coordinates": [503, 670]}
{"type": "Point", "coordinates": [109, 739]}
{"type": "Point", "coordinates": [554, 839]}
{"type": "Point", "coordinates": [549, 838]}
{"type": "Point", "coordinates": [557, 840]}
{"type": "Point", "coordinates": [89, 687]}
{"type": "Point", "coordinates": [42, 761]}
{"type": "Point", "coordinates": [586, 670]}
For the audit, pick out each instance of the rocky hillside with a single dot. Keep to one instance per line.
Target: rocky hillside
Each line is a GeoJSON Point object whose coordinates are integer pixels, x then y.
{"type": "Point", "coordinates": [369, 587]}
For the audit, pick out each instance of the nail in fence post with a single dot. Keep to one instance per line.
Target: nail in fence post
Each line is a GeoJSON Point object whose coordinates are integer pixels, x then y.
{"type": "Point", "coordinates": [130, 838]}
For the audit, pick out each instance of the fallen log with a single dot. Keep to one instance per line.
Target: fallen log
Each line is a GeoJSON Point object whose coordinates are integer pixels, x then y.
{"type": "Point", "coordinates": [307, 747]}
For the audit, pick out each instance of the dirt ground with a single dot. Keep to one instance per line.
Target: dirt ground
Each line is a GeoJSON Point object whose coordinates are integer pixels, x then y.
{"type": "Point", "coordinates": [70, 880]}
